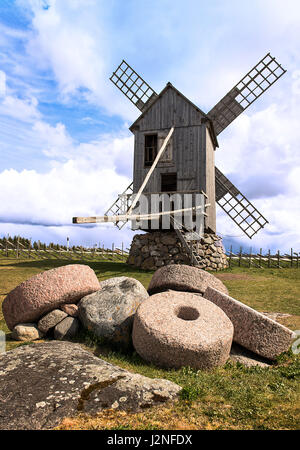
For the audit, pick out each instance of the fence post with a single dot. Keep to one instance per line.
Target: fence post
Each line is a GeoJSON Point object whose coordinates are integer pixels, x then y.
{"type": "Point", "coordinates": [291, 257]}
{"type": "Point", "coordinates": [250, 256]}
{"type": "Point", "coordinates": [278, 259]}
{"type": "Point", "coordinates": [240, 256]}
{"type": "Point", "coordinates": [269, 258]}
{"type": "Point", "coordinates": [29, 248]}
{"type": "Point", "coordinates": [6, 247]}
{"type": "Point", "coordinates": [260, 253]}
{"type": "Point", "coordinates": [18, 246]}
{"type": "Point", "coordinates": [230, 256]}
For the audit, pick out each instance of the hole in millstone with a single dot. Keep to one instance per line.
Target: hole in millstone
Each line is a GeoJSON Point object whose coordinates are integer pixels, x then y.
{"type": "Point", "coordinates": [187, 313]}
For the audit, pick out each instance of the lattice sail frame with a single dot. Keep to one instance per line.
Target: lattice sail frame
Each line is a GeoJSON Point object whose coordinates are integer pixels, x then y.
{"type": "Point", "coordinates": [133, 86]}
{"type": "Point", "coordinates": [121, 205]}
{"type": "Point", "coordinates": [266, 72]}
{"type": "Point", "coordinates": [237, 206]}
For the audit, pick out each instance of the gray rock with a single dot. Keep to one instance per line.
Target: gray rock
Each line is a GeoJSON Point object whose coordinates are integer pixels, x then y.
{"type": "Point", "coordinates": [67, 328]}
{"type": "Point", "coordinates": [26, 332]}
{"type": "Point", "coordinates": [71, 309]}
{"type": "Point", "coordinates": [112, 281]}
{"type": "Point", "coordinates": [109, 312]}
{"type": "Point", "coordinates": [169, 239]}
{"type": "Point", "coordinates": [247, 358]}
{"type": "Point", "coordinates": [41, 384]}
{"type": "Point", "coordinates": [50, 320]}
{"type": "Point", "coordinates": [208, 240]}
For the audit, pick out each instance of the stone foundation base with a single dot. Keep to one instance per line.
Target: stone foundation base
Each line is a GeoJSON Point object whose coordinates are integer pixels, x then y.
{"type": "Point", "coordinates": [153, 250]}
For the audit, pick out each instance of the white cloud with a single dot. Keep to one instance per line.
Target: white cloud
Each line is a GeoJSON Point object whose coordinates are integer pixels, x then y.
{"type": "Point", "coordinates": [54, 140]}
{"type": "Point", "coordinates": [2, 84]}
{"type": "Point", "coordinates": [53, 198]}
{"type": "Point", "coordinates": [70, 38]}
{"type": "Point", "coordinates": [20, 109]}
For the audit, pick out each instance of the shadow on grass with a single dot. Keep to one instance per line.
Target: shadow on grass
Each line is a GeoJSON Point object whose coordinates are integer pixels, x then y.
{"type": "Point", "coordinates": [105, 266]}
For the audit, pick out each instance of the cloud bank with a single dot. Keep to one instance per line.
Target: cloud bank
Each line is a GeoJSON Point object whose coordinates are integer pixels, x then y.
{"type": "Point", "coordinates": [65, 148]}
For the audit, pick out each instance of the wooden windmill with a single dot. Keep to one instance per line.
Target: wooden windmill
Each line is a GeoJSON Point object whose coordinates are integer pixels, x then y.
{"type": "Point", "coordinates": [175, 143]}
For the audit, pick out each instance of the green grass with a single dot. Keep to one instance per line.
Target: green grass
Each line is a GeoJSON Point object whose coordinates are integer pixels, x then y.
{"type": "Point", "coordinates": [230, 397]}
{"type": "Point", "coordinates": [266, 289]}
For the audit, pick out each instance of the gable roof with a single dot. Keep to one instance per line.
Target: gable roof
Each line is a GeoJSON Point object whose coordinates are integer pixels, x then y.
{"type": "Point", "coordinates": [168, 86]}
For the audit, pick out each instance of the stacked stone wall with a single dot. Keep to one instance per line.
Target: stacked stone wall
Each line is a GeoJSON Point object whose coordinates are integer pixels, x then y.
{"type": "Point", "coordinates": [153, 250]}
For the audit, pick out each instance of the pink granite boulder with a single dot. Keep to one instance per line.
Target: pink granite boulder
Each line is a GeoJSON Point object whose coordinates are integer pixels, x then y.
{"type": "Point", "coordinates": [180, 277]}
{"type": "Point", "coordinates": [47, 291]}
{"type": "Point", "coordinates": [175, 329]}
{"type": "Point", "coordinates": [252, 330]}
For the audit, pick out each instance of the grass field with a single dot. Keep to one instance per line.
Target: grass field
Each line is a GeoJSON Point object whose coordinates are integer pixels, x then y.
{"type": "Point", "coordinates": [231, 397]}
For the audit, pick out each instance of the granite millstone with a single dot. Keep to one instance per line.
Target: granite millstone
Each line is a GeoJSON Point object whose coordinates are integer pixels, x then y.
{"type": "Point", "coordinates": [175, 329]}
{"type": "Point", "coordinates": [252, 330]}
{"type": "Point", "coordinates": [109, 312]}
{"type": "Point", "coordinates": [41, 384]}
{"type": "Point", "coordinates": [180, 277]}
{"type": "Point", "coordinates": [47, 291]}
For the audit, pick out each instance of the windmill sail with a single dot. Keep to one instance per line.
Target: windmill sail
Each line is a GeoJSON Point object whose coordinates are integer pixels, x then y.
{"type": "Point", "coordinates": [133, 86]}
{"type": "Point", "coordinates": [236, 205]}
{"type": "Point", "coordinates": [245, 92]}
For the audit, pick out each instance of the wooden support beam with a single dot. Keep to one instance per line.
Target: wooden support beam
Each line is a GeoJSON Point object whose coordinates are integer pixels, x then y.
{"type": "Point", "coordinates": [159, 154]}
{"type": "Point", "coordinates": [104, 219]}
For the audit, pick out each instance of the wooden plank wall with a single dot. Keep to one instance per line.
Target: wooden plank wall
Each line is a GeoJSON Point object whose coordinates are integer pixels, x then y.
{"type": "Point", "coordinates": [192, 148]}
{"type": "Point", "coordinates": [172, 109]}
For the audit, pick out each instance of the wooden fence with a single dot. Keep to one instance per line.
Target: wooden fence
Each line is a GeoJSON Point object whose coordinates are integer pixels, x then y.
{"type": "Point", "coordinates": [277, 260]}
{"type": "Point", "coordinates": [240, 259]}
{"type": "Point", "coordinates": [18, 250]}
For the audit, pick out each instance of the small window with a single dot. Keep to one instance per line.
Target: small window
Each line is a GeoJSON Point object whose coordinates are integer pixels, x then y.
{"type": "Point", "coordinates": [150, 149]}
{"type": "Point", "coordinates": [168, 182]}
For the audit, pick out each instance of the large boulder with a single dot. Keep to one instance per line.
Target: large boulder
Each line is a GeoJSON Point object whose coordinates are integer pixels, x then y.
{"type": "Point", "coordinates": [109, 313]}
{"type": "Point", "coordinates": [47, 291]}
{"type": "Point", "coordinates": [175, 329]}
{"type": "Point", "coordinates": [252, 330]}
{"type": "Point", "coordinates": [112, 281]}
{"type": "Point", "coordinates": [180, 277]}
{"type": "Point", "coordinates": [41, 384]}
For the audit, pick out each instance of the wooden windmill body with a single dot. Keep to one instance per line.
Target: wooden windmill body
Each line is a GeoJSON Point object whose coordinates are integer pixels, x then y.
{"type": "Point", "coordinates": [187, 165]}
{"type": "Point", "coordinates": [188, 138]}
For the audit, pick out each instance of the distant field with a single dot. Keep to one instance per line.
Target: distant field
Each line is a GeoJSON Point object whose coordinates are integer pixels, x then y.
{"type": "Point", "coordinates": [231, 397]}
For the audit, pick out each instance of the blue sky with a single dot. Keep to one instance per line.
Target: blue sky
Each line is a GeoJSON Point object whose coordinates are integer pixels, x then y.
{"type": "Point", "coordinates": [64, 141]}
